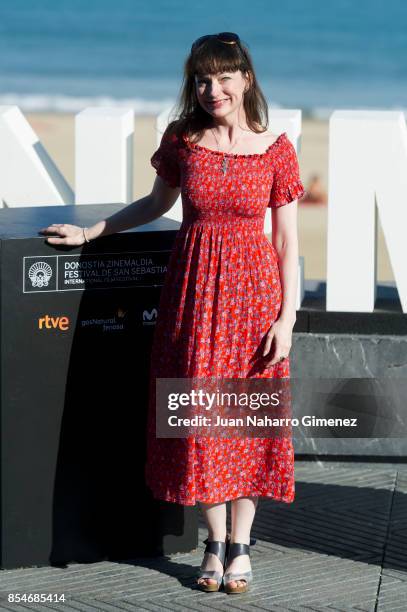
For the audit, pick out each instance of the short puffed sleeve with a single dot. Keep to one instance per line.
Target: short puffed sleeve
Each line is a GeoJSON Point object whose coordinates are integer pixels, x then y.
{"type": "Point", "coordinates": [165, 160]}
{"type": "Point", "coordinates": [287, 185]}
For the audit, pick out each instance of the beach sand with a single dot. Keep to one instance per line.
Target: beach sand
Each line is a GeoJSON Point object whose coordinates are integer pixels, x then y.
{"type": "Point", "coordinates": [56, 132]}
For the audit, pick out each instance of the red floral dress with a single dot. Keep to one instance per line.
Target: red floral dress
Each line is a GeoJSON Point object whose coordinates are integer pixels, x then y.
{"type": "Point", "coordinates": [221, 294]}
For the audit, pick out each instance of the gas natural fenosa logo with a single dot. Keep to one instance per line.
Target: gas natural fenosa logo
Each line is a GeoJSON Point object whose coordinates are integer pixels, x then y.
{"type": "Point", "coordinates": [40, 274]}
{"type": "Point", "coordinates": [117, 322]}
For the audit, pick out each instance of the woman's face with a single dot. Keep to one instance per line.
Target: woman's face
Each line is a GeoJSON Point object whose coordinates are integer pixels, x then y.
{"type": "Point", "coordinates": [222, 93]}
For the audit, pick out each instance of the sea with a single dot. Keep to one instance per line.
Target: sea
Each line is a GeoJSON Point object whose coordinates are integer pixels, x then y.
{"type": "Point", "coordinates": [315, 55]}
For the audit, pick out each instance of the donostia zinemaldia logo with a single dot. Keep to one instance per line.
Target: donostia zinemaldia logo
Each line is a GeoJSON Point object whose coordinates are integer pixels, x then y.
{"type": "Point", "coordinates": [40, 274]}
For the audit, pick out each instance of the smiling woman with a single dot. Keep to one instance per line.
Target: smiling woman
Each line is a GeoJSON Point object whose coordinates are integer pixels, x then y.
{"type": "Point", "coordinates": [223, 312]}
{"type": "Point", "coordinates": [220, 77]}
{"type": "Point", "coordinates": [205, 87]}
{"type": "Point", "coordinates": [227, 306]}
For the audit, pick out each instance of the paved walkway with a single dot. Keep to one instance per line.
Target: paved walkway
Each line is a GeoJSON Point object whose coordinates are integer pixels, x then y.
{"type": "Point", "coordinates": [342, 545]}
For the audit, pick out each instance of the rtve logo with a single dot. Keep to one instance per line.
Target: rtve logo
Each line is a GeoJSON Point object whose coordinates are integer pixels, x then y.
{"type": "Point", "coordinates": [47, 322]}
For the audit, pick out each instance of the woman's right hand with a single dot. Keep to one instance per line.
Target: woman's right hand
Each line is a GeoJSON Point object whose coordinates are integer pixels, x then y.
{"type": "Point", "coordinates": [67, 234]}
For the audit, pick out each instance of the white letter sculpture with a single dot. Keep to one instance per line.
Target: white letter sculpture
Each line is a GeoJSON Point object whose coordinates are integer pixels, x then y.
{"type": "Point", "coordinates": [367, 169]}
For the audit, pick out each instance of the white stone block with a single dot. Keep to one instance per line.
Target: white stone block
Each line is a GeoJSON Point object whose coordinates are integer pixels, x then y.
{"type": "Point", "coordinates": [301, 282]}
{"type": "Point", "coordinates": [104, 155]}
{"type": "Point", "coordinates": [28, 175]}
{"type": "Point", "coordinates": [367, 176]}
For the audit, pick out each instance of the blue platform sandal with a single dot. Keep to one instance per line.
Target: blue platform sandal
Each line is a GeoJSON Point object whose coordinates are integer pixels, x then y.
{"type": "Point", "coordinates": [236, 549]}
{"type": "Point", "coordinates": [220, 550]}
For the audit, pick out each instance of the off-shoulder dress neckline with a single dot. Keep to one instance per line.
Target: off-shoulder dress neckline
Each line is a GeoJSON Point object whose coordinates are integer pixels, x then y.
{"type": "Point", "coordinates": [194, 145]}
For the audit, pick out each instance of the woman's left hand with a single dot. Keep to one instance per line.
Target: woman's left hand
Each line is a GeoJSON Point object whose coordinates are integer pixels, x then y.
{"type": "Point", "coordinates": [279, 337]}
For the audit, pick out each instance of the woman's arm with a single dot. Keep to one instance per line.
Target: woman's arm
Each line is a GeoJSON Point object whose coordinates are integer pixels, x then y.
{"type": "Point", "coordinates": [140, 212]}
{"type": "Point", "coordinates": [285, 240]}
{"type": "Point", "coordinates": [284, 237]}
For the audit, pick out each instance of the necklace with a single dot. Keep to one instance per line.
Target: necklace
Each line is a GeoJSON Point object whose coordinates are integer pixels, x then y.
{"type": "Point", "coordinates": [225, 161]}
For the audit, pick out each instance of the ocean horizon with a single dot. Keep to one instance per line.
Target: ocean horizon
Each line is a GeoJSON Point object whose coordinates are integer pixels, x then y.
{"type": "Point", "coordinates": [316, 56]}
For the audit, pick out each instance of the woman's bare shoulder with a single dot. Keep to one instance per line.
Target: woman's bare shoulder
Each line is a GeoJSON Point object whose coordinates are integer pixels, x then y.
{"type": "Point", "coordinates": [269, 139]}
{"type": "Point", "coordinates": [267, 135]}
{"type": "Point", "coordinates": [273, 138]}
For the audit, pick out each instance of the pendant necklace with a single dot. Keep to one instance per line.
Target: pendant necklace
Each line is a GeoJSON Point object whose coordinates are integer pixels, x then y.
{"type": "Point", "coordinates": [225, 161]}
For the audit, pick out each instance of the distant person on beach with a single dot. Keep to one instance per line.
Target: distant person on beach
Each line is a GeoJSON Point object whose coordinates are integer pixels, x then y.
{"type": "Point", "coordinates": [228, 304]}
{"type": "Point", "coordinates": [315, 193]}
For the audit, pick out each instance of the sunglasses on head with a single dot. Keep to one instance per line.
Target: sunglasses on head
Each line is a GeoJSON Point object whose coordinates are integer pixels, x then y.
{"type": "Point", "coordinates": [229, 38]}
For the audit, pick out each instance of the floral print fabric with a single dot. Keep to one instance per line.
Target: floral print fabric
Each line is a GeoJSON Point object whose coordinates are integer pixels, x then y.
{"type": "Point", "coordinates": [222, 292]}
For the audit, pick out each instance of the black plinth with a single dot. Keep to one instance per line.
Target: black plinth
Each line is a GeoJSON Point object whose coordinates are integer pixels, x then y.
{"type": "Point", "coordinates": [387, 317]}
{"type": "Point", "coordinates": [76, 330]}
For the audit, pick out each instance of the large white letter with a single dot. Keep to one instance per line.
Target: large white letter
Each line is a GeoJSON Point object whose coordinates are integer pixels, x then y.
{"type": "Point", "coordinates": [28, 176]}
{"type": "Point", "coordinates": [104, 156]}
{"type": "Point", "coordinates": [367, 168]}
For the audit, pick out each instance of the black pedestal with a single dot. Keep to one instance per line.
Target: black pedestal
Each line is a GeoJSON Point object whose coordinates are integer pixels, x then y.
{"type": "Point", "coordinates": [76, 330]}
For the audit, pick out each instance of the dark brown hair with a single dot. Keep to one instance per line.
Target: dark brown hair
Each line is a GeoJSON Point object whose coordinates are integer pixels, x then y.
{"type": "Point", "coordinates": [213, 57]}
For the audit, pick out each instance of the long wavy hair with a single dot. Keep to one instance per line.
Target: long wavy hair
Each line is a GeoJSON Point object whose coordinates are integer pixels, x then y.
{"type": "Point", "coordinates": [213, 57]}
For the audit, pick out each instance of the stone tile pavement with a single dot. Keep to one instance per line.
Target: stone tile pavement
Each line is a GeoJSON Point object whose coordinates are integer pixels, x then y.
{"type": "Point", "coordinates": [342, 545]}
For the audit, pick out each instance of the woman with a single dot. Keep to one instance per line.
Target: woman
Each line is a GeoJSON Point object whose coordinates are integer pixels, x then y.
{"type": "Point", "coordinates": [227, 308]}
